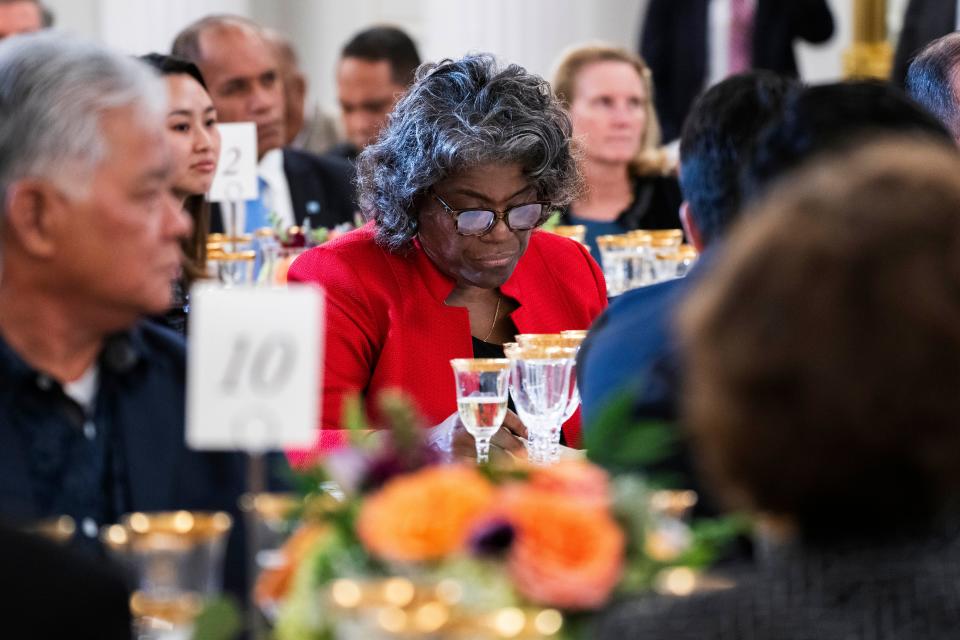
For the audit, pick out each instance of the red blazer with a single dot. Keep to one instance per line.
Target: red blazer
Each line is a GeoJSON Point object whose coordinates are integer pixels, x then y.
{"type": "Point", "coordinates": [387, 325]}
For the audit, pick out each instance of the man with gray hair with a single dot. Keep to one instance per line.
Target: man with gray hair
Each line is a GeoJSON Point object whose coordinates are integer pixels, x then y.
{"type": "Point", "coordinates": [91, 397]}
{"type": "Point", "coordinates": [932, 80]}
{"type": "Point", "coordinates": [243, 75]}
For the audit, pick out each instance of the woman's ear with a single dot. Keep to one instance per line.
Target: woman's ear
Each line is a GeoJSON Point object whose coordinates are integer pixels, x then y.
{"type": "Point", "coordinates": [32, 208]}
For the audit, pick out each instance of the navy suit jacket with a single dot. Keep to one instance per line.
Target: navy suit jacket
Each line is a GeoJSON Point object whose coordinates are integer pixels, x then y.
{"type": "Point", "coordinates": [321, 189]}
{"type": "Point", "coordinates": [674, 45]}
{"type": "Point", "coordinates": [923, 22]}
{"type": "Point", "coordinates": [632, 348]}
{"type": "Point", "coordinates": [143, 394]}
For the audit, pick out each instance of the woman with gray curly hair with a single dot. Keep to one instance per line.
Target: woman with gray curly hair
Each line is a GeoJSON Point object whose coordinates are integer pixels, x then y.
{"type": "Point", "coordinates": [473, 160]}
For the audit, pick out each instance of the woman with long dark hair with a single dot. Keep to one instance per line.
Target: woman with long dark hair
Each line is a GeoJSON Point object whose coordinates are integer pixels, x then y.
{"type": "Point", "coordinates": [195, 142]}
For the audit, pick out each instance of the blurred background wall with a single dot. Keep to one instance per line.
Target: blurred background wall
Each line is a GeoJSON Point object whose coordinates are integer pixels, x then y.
{"type": "Point", "coordinates": [530, 32]}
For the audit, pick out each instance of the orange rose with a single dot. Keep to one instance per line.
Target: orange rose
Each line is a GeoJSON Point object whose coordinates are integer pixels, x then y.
{"type": "Point", "coordinates": [567, 554]}
{"type": "Point", "coordinates": [576, 479]}
{"type": "Point", "coordinates": [424, 515]}
{"type": "Point", "coordinates": [274, 583]}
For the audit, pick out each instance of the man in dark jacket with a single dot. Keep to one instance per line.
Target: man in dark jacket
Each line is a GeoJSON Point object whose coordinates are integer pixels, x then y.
{"type": "Point", "coordinates": [91, 397]}
{"type": "Point", "coordinates": [691, 44]}
{"type": "Point", "coordinates": [243, 75]}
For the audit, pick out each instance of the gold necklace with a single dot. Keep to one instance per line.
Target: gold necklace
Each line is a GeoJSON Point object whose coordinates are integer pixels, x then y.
{"type": "Point", "coordinates": [496, 315]}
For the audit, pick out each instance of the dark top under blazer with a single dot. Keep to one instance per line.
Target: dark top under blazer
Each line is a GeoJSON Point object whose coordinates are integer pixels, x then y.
{"type": "Point", "coordinates": [321, 189]}
{"type": "Point", "coordinates": [656, 205]}
{"type": "Point", "coordinates": [674, 44]}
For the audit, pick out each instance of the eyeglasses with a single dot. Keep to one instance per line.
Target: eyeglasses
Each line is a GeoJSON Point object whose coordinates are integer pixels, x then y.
{"type": "Point", "coordinates": [477, 222]}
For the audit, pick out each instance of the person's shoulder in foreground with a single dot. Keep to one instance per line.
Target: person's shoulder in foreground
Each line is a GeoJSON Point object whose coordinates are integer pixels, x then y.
{"type": "Point", "coordinates": [861, 589]}
{"type": "Point", "coordinates": [54, 592]}
{"type": "Point", "coordinates": [625, 344]}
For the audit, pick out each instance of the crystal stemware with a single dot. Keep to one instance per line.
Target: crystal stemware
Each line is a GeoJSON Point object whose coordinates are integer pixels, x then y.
{"type": "Point", "coordinates": [482, 392]}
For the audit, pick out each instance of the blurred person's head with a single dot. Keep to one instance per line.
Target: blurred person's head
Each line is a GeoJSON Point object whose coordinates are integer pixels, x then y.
{"type": "Point", "coordinates": [242, 73]}
{"type": "Point", "coordinates": [933, 80]}
{"type": "Point", "coordinates": [834, 117]}
{"type": "Point", "coordinates": [88, 218]}
{"type": "Point", "coordinates": [22, 16]}
{"type": "Point", "coordinates": [608, 92]}
{"type": "Point", "coordinates": [823, 350]}
{"type": "Point", "coordinates": [294, 83]}
{"type": "Point", "coordinates": [375, 68]}
{"type": "Point", "coordinates": [718, 137]}
{"type": "Point", "coordinates": [191, 126]}
{"type": "Point", "coordinates": [469, 138]}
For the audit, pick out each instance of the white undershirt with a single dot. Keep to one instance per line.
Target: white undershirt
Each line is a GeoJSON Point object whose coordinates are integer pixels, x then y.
{"type": "Point", "coordinates": [718, 40]}
{"type": "Point", "coordinates": [83, 390]}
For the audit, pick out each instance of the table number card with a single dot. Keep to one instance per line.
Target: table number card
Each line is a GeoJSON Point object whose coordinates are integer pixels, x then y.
{"type": "Point", "coordinates": [253, 374]}
{"type": "Point", "coordinates": [236, 176]}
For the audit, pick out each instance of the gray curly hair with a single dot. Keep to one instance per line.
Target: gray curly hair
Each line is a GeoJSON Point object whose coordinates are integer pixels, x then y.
{"type": "Point", "coordinates": [457, 115]}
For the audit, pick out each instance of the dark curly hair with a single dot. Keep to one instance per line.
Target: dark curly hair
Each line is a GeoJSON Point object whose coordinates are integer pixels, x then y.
{"type": "Point", "coordinates": [461, 114]}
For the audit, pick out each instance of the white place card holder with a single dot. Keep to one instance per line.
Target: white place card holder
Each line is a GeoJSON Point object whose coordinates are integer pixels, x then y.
{"type": "Point", "coordinates": [236, 176]}
{"type": "Point", "coordinates": [253, 374]}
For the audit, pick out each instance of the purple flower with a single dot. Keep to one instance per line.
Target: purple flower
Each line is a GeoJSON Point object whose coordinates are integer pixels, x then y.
{"type": "Point", "coordinates": [492, 538]}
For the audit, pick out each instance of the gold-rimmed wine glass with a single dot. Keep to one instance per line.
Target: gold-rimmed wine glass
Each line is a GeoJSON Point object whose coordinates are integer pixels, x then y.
{"type": "Point", "coordinates": [482, 392]}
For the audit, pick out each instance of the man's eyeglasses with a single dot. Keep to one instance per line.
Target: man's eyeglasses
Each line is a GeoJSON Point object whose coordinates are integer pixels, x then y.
{"type": "Point", "coordinates": [477, 222]}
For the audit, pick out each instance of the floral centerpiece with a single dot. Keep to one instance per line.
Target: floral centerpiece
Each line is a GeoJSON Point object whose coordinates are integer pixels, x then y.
{"type": "Point", "coordinates": [409, 546]}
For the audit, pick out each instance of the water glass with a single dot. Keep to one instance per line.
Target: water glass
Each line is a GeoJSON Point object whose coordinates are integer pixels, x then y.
{"type": "Point", "coordinates": [540, 387]}
{"type": "Point", "coordinates": [577, 232]}
{"type": "Point", "coordinates": [232, 268]}
{"type": "Point", "coordinates": [615, 258]}
{"type": "Point", "coordinates": [176, 561]}
{"type": "Point", "coordinates": [571, 339]}
{"type": "Point", "coordinates": [482, 393]}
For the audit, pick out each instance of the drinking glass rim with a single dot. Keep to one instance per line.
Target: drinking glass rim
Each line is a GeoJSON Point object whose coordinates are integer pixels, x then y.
{"type": "Point", "coordinates": [479, 365]}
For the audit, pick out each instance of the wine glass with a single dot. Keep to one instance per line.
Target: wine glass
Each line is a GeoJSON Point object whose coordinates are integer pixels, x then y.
{"type": "Point", "coordinates": [540, 383]}
{"type": "Point", "coordinates": [571, 339]}
{"type": "Point", "coordinates": [482, 391]}
{"type": "Point", "coordinates": [175, 559]}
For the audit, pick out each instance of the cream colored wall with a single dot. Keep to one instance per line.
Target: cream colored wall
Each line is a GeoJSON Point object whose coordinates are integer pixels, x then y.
{"type": "Point", "coordinates": [531, 32]}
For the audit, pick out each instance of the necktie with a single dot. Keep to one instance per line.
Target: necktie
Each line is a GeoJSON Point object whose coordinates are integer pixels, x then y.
{"type": "Point", "coordinates": [257, 209]}
{"type": "Point", "coordinates": [741, 35]}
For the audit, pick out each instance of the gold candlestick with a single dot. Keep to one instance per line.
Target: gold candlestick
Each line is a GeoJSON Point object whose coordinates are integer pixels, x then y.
{"type": "Point", "coordinates": [870, 55]}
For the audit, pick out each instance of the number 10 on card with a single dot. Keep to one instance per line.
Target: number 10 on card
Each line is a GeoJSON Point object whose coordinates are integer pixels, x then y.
{"type": "Point", "coordinates": [253, 374]}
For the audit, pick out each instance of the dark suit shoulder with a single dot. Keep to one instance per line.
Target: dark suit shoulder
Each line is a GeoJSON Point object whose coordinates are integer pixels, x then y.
{"type": "Point", "coordinates": [643, 300]}
{"type": "Point", "coordinates": [321, 188]}
{"type": "Point", "coordinates": [336, 173]}
{"type": "Point", "coordinates": [326, 163]}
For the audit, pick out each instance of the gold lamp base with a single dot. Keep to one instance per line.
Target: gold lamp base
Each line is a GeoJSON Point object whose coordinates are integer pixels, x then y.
{"type": "Point", "coordinates": [868, 60]}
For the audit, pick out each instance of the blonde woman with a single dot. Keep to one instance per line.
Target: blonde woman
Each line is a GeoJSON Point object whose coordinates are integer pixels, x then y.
{"type": "Point", "coordinates": [629, 181]}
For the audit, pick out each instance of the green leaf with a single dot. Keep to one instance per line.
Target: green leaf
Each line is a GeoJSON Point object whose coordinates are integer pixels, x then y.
{"type": "Point", "coordinates": [617, 441]}
{"type": "Point", "coordinates": [552, 222]}
{"type": "Point", "coordinates": [319, 235]}
{"type": "Point", "coordinates": [220, 620]}
{"type": "Point", "coordinates": [354, 417]}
